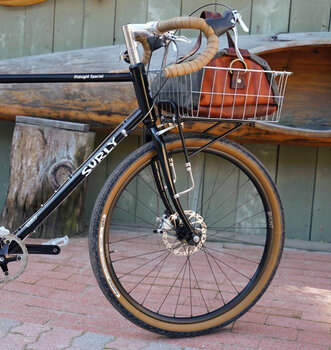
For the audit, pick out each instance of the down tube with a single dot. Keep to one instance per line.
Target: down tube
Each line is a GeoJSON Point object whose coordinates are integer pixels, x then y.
{"type": "Point", "coordinates": [109, 144]}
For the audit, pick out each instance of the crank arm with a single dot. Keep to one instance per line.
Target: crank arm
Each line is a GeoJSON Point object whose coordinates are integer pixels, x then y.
{"type": "Point", "coordinates": [43, 249]}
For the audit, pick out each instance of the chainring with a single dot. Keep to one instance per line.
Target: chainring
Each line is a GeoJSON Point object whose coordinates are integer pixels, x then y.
{"type": "Point", "coordinates": [13, 258]}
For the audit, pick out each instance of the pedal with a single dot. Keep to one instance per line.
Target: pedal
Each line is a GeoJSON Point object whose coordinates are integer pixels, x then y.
{"type": "Point", "coordinates": [61, 242]}
{"type": "Point", "coordinates": [4, 231]}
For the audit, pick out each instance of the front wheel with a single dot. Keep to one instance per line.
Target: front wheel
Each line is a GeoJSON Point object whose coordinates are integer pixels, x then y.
{"type": "Point", "coordinates": [148, 268]}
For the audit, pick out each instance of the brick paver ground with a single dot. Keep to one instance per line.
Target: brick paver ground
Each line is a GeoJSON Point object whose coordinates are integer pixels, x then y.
{"type": "Point", "coordinates": [56, 304]}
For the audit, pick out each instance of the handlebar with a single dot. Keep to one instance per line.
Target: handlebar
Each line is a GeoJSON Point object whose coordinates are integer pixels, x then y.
{"type": "Point", "coordinates": [143, 33]}
{"type": "Point", "coordinates": [201, 60]}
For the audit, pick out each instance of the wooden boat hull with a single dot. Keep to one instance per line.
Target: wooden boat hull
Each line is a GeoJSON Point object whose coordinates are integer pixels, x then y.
{"type": "Point", "coordinates": [104, 105]}
{"type": "Point", "coordinates": [15, 3]}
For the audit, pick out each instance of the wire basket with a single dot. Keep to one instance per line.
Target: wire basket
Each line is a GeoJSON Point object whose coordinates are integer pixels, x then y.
{"type": "Point", "coordinates": [219, 93]}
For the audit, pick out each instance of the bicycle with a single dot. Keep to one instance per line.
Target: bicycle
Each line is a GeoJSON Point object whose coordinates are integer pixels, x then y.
{"type": "Point", "coordinates": [179, 263]}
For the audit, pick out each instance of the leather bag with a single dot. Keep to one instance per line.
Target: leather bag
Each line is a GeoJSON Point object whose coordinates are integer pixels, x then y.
{"type": "Point", "coordinates": [245, 93]}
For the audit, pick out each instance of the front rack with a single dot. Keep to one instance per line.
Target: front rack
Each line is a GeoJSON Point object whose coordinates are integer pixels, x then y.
{"type": "Point", "coordinates": [222, 94]}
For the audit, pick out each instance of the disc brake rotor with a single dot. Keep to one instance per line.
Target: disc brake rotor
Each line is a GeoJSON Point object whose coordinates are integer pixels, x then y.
{"type": "Point", "coordinates": [13, 258]}
{"type": "Point", "coordinates": [181, 247]}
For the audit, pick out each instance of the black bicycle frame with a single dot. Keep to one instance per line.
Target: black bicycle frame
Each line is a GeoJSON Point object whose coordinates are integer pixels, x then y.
{"type": "Point", "coordinates": [144, 113]}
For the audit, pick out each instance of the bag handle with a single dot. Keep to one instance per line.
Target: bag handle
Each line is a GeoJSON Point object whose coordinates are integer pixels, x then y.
{"type": "Point", "coordinates": [197, 45]}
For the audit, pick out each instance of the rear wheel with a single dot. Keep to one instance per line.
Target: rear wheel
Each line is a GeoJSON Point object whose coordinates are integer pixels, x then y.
{"type": "Point", "coordinates": [157, 275]}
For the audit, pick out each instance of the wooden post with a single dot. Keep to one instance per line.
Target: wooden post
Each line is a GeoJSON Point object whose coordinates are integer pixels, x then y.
{"type": "Point", "coordinates": [44, 153]}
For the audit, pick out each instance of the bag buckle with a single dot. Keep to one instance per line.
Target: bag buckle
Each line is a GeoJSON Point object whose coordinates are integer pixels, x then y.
{"type": "Point", "coordinates": [238, 75]}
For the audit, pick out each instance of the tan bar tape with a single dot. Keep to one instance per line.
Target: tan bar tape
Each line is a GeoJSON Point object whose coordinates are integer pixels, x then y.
{"type": "Point", "coordinates": [200, 61]}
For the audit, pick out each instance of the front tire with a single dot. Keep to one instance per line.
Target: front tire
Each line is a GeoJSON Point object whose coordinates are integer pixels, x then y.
{"type": "Point", "coordinates": [160, 281]}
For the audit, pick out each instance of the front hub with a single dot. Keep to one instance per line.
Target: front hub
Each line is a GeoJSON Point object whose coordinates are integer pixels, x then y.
{"type": "Point", "coordinates": [178, 239]}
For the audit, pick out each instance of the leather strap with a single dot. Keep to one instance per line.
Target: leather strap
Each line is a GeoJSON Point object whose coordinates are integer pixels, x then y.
{"type": "Point", "coordinates": [197, 45]}
{"type": "Point", "coordinates": [232, 52]}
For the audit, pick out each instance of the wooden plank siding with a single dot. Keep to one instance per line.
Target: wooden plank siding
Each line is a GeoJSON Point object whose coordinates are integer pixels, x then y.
{"type": "Point", "coordinates": [269, 16]}
{"type": "Point", "coordinates": [58, 25]}
{"type": "Point", "coordinates": [295, 181]}
{"type": "Point", "coordinates": [310, 16]}
{"type": "Point", "coordinates": [302, 175]}
{"type": "Point", "coordinates": [12, 27]}
{"type": "Point", "coordinates": [99, 19]}
{"type": "Point", "coordinates": [321, 218]}
{"type": "Point", "coordinates": [39, 21]}
{"type": "Point", "coordinates": [68, 25]}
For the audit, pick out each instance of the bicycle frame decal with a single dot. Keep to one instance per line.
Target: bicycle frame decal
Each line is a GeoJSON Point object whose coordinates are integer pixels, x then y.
{"type": "Point", "coordinates": [99, 157]}
{"type": "Point", "coordinates": [89, 76]}
{"type": "Point", "coordinates": [64, 78]}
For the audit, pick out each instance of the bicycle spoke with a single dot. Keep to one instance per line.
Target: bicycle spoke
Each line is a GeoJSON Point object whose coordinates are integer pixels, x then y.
{"type": "Point", "coordinates": [233, 210]}
{"type": "Point", "coordinates": [222, 262]}
{"type": "Point", "coordinates": [131, 225]}
{"type": "Point", "coordinates": [226, 276]}
{"type": "Point", "coordinates": [181, 286]}
{"type": "Point", "coordinates": [149, 273]}
{"type": "Point", "coordinates": [155, 278]}
{"type": "Point", "coordinates": [215, 234]}
{"type": "Point", "coordinates": [118, 207]}
{"type": "Point", "coordinates": [233, 255]}
{"type": "Point", "coordinates": [143, 235]}
{"type": "Point", "coordinates": [216, 282]}
{"type": "Point", "coordinates": [232, 194]}
{"type": "Point", "coordinates": [214, 191]}
{"type": "Point", "coordinates": [140, 266]}
{"type": "Point", "coordinates": [143, 204]}
{"type": "Point", "coordinates": [139, 255]}
{"type": "Point", "coordinates": [132, 238]}
{"type": "Point", "coordinates": [241, 227]}
{"type": "Point", "coordinates": [200, 193]}
{"type": "Point", "coordinates": [164, 299]}
{"type": "Point", "coordinates": [157, 194]}
{"type": "Point", "coordinates": [199, 287]}
{"type": "Point", "coordinates": [189, 277]}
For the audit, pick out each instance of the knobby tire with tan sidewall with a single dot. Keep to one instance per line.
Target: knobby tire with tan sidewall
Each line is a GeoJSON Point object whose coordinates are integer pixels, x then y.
{"type": "Point", "coordinates": [104, 258]}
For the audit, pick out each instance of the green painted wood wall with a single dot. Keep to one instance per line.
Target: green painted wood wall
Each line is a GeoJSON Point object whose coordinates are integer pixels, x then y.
{"type": "Point", "coordinates": [302, 175]}
{"type": "Point", "coordinates": [58, 25]}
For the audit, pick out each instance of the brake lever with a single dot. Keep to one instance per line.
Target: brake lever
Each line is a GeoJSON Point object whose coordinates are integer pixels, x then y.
{"type": "Point", "coordinates": [173, 38]}
{"type": "Point", "coordinates": [238, 17]}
